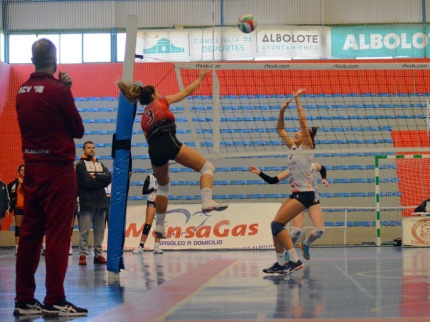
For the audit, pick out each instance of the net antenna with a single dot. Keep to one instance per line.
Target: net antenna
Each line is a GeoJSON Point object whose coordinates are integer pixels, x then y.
{"type": "Point", "coordinates": [428, 118]}
{"type": "Point", "coordinates": [121, 153]}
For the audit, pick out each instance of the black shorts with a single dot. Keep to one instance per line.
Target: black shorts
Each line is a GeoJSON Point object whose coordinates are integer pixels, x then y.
{"type": "Point", "coordinates": [164, 148]}
{"type": "Point", "coordinates": [150, 203]}
{"type": "Point", "coordinates": [306, 198]}
{"type": "Point", "coordinates": [18, 212]}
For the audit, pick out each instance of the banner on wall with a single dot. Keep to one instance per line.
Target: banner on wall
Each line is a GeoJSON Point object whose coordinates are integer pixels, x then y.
{"type": "Point", "coordinates": [229, 43]}
{"type": "Point", "coordinates": [380, 41]}
{"type": "Point", "coordinates": [241, 226]}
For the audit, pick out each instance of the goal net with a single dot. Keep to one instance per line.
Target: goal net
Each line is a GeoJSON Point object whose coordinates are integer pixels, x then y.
{"type": "Point", "coordinates": [402, 183]}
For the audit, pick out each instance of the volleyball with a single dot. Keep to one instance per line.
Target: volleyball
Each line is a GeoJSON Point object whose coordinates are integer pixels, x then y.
{"type": "Point", "coordinates": [247, 23]}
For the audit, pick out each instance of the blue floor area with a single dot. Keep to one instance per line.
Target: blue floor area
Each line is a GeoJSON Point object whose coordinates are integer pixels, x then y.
{"type": "Point", "coordinates": [369, 283]}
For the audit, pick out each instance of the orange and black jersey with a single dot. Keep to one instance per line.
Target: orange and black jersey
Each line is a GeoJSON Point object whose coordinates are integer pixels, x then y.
{"type": "Point", "coordinates": [156, 114]}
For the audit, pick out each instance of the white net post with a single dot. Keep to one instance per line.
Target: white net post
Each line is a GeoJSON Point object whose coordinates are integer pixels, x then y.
{"type": "Point", "coordinates": [216, 115]}
{"type": "Point", "coordinates": [127, 77]}
{"type": "Point", "coordinates": [428, 118]}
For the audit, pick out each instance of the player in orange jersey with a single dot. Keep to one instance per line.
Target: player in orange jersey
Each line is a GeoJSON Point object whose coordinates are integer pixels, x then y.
{"type": "Point", "coordinates": [159, 127]}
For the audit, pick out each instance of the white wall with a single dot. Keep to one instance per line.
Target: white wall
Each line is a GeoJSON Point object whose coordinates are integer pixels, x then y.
{"type": "Point", "coordinates": [166, 13]}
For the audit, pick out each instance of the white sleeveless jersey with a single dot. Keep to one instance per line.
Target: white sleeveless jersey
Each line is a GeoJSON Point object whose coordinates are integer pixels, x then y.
{"type": "Point", "coordinates": [152, 184]}
{"type": "Point", "coordinates": [315, 181]}
{"type": "Point", "coordinates": [300, 171]}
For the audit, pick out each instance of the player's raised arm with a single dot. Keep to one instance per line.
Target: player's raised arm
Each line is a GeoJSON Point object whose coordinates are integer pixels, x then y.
{"type": "Point", "coordinates": [306, 136]}
{"type": "Point", "coordinates": [280, 126]}
{"type": "Point", "coordinates": [189, 89]}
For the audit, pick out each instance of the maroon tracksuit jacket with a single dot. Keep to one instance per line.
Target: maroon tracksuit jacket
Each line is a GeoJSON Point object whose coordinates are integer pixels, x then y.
{"type": "Point", "coordinates": [49, 121]}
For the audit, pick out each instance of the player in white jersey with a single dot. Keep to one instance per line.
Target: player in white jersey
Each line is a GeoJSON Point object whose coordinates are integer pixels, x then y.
{"type": "Point", "coordinates": [302, 196]}
{"type": "Point", "coordinates": [150, 189]}
{"type": "Point", "coordinates": [315, 212]}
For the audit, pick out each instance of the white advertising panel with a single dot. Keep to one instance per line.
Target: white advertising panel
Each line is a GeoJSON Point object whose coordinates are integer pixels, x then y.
{"type": "Point", "coordinates": [229, 43]}
{"type": "Point", "coordinates": [163, 45]}
{"type": "Point", "coordinates": [222, 44]}
{"type": "Point", "coordinates": [291, 42]}
{"type": "Point", "coordinates": [416, 231]}
{"type": "Point", "coordinates": [241, 226]}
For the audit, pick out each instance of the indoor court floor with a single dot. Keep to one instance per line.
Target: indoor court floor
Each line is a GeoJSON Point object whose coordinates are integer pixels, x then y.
{"type": "Point", "coordinates": [338, 284]}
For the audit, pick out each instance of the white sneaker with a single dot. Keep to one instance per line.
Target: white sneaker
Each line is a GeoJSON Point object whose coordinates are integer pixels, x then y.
{"type": "Point", "coordinates": [160, 232]}
{"type": "Point", "coordinates": [158, 251]}
{"type": "Point", "coordinates": [138, 250]}
{"type": "Point", "coordinates": [70, 250]}
{"type": "Point", "coordinates": [208, 206]}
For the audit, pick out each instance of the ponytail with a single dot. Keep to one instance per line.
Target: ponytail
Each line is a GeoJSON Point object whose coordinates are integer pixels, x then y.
{"type": "Point", "coordinates": [313, 132]}
{"type": "Point", "coordinates": [130, 92]}
{"type": "Point", "coordinates": [135, 92]}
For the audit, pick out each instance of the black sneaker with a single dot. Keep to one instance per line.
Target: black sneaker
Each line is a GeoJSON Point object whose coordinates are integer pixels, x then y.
{"type": "Point", "coordinates": [63, 308]}
{"type": "Point", "coordinates": [291, 267]}
{"type": "Point", "coordinates": [32, 307]}
{"type": "Point", "coordinates": [275, 268]}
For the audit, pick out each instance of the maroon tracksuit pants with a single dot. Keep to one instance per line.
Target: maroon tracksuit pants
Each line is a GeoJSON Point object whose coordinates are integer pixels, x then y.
{"type": "Point", "coordinates": [49, 201]}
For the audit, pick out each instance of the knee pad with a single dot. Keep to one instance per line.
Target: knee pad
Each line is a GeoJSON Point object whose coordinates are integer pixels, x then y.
{"type": "Point", "coordinates": [318, 232]}
{"type": "Point", "coordinates": [208, 168]}
{"type": "Point", "coordinates": [163, 190]}
{"type": "Point", "coordinates": [295, 233]}
{"type": "Point", "coordinates": [17, 231]}
{"type": "Point", "coordinates": [146, 229]}
{"type": "Point", "coordinates": [277, 227]}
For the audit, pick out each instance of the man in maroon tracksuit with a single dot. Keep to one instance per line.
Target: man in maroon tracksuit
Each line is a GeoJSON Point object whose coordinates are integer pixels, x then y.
{"type": "Point", "coordinates": [49, 121]}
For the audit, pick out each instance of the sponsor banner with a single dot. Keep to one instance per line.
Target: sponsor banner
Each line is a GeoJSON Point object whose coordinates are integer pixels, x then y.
{"type": "Point", "coordinates": [290, 42]}
{"type": "Point", "coordinates": [229, 43]}
{"type": "Point", "coordinates": [416, 231]}
{"type": "Point", "coordinates": [380, 41]}
{"type": "Point", "coordinates": [163, 45]}
{"type": "Point", "coordinates": [241, 226]}
{"type": "Point", "coordinates": [222, 44]}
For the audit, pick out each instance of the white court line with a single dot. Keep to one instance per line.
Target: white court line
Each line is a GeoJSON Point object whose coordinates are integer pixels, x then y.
{"type": "Point", "coordinates": [354, 281]}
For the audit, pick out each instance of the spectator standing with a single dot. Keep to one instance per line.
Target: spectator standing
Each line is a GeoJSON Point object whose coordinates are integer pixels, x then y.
{"type": "Point", "coordinates": [4, 201]}
{"type": "Point", "coordinates": [16, 193]}
{"type": "Point", "coordinates": [93, 177]}
{"type": "Point", "coordinates": [48, 122]}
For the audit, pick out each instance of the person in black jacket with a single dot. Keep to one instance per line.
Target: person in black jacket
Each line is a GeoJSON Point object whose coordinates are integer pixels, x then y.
{"type": "Point", "coordinates": [4, 201]}
{"type": "Point", "coordinates": [93, 177]}
{"type": "Point", "coordinates": [16, 194]}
